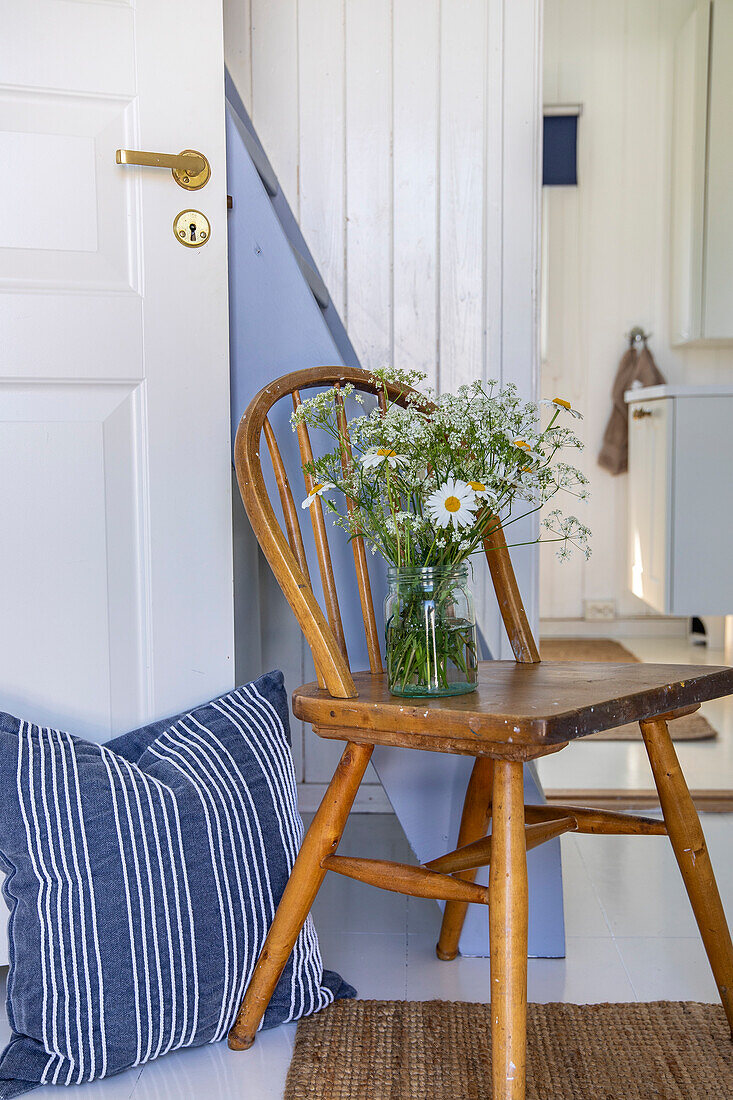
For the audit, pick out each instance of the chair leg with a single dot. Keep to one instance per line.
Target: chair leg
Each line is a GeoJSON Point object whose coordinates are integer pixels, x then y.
{"type": "Point", "coordinates": [474, 823]}
{"type": "Point", "coordinates": [508, 921]}
{"type": "Point", "coordinates": [685, 832]}
{"type": "Point", "coordinates": [321, 840]}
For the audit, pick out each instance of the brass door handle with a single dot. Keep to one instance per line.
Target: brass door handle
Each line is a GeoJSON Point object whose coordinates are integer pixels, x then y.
{"type": "Point", "coordinates": [190, 170]}
{"type": "Point", "coordinates": [639, 414]}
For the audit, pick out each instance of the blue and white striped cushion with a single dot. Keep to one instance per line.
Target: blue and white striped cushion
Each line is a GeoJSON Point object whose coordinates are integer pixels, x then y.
{"type": "Point", "coordinates": [142, 877]}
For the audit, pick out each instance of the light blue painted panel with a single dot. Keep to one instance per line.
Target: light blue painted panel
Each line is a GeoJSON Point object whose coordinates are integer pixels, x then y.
{"type": "Point", "coordinates": [426, 791]}
{"type": "Point", "coordinates": [277, 326]}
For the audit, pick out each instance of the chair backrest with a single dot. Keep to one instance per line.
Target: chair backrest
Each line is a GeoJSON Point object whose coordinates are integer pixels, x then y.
{"type": "Point", "coordinates": [285, 552]}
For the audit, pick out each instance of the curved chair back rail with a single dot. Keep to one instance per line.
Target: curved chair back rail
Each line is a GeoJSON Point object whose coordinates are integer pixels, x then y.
{"type": "Point", "coordinates": [285, 550]}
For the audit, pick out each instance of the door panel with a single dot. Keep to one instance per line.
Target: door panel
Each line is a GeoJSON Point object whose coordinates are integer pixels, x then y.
{"type": "Point", "coordinates": [68, 455]}
{"type": "Point", "coordinates": [72, 206]}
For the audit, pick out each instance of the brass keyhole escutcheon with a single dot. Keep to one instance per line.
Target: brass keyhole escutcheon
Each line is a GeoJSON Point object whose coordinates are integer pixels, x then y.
{"type": "Point", "coordinates": [191, 228]}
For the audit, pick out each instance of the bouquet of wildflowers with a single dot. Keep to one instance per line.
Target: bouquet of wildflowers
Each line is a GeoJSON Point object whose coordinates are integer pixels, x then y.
{"type": "Point", "coordinates": [428, 478]}
{"type": "Point", "coordinates": [423, 481]}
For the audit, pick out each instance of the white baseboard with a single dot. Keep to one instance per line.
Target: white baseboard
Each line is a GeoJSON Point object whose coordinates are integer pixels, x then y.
{"type": "Point", "coordinates": [640, 626]}
{"type": "Point", "coordinates": [370, 798]}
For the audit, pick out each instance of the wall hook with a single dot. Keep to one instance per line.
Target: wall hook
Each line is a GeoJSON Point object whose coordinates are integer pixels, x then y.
{"type": "Point", "coordinates": [637, 336]}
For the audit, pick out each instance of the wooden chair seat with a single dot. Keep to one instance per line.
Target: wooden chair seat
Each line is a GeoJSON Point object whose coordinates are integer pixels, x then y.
{"type": "Point", "coordinates": [519, 711]}
{"type": "Point", "coordinates": [522, 709]}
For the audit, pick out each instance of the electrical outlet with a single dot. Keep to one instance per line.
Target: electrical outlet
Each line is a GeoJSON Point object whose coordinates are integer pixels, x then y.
{"type": "Point", "coordinates": [599, 611]}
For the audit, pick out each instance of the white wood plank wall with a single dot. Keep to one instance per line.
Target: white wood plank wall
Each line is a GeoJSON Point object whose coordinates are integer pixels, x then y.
{"type": "Point", "coordinates": [374, 114]}
{"type": "Point", "coordinates": [404, 135]}
{"type": "Point", "coordinates": [607, 259]}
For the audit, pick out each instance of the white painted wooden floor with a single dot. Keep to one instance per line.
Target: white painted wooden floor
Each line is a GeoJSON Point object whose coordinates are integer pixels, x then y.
{"type": "Point", "coordinates": [631, 936]}
{"type": "Point", "coordinates": [624, 764]}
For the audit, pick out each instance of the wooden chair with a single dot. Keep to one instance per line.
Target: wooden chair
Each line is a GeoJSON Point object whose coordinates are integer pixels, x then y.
{"type": "Point", "coordinates": [522, 710]}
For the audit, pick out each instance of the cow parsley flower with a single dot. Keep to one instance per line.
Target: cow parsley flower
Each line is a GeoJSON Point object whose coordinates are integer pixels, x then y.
{"type": "Point", "coordinates": [526, 487]}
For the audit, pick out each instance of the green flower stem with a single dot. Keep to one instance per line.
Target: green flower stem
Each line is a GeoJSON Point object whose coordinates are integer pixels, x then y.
{"type": "Point", "coordinates": [426, 643]}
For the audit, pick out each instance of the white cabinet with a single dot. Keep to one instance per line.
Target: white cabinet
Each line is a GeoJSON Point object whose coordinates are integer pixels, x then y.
{"type": "Point", "coordinates": [701, 235]}
{"type": "Point", "coordinates": [681, 498]}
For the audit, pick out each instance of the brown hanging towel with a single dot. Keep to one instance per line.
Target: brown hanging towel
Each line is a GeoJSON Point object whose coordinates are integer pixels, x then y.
{"type": "Point", "coordinates": [635, 366]}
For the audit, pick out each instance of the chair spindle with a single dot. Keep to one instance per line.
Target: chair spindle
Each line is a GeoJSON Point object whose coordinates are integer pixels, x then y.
{"type": "Point", "coordinates": [325, 566]}
{"type": "Point", "coordinates": [290, 512]}
{"type": "Point", "coordinates": [508, 597]}
{"type": "Point", "coordinates": [357, 545]}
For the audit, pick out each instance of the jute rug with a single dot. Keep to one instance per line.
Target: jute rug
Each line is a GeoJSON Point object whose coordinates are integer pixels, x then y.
{"type": "Point", "coordinates": [441, 1050]}
{"type": "Point", "coordinates": [692, 728]}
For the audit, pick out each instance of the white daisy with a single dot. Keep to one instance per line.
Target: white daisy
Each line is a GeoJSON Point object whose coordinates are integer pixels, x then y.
{"type": "Point", "coordinates": [315, 491]}
{"type": "Point", "coordinates": [383, 454]}
{"type": "Point", "coordinates": [452, 504]}
{"type": "Point", "coordinates": [526, 449]}
{"type": "Point", "coordinates": [561, 403]}
{"type": "Point", "coordinates": [479, 488]}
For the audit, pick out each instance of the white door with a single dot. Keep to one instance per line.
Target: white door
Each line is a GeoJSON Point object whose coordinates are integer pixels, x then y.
{"type": "Point", "coordinates": [115, 557]}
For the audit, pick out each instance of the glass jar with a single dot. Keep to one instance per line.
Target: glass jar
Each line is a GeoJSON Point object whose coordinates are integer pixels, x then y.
{"type": "Point", "coordinates": [430, 629]}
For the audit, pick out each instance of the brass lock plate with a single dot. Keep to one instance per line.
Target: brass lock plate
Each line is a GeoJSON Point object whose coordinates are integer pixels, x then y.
{"type": "Point", "coordinates": [196, 178]}
{"type": "Point", "coordinates": [191, 228]}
